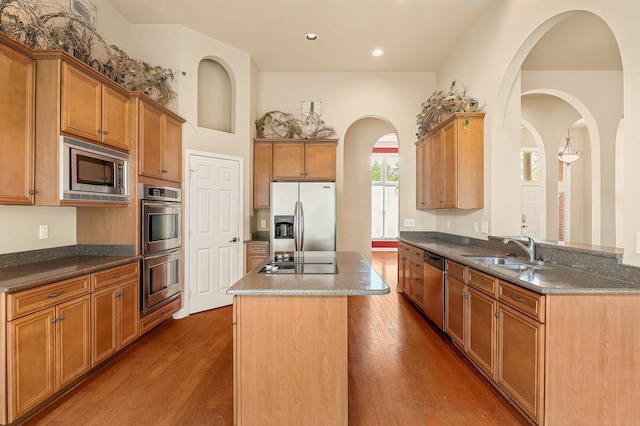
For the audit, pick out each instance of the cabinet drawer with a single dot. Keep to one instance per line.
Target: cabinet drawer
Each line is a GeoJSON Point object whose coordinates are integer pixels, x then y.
{"type": "Point", "coordinates": [455, 270]}
{"type": "Point", "coordinates": [417, 293]}
{"type": "Point", "coordinates": [404, 248]}
{"type": "Point", "coordinates": [114, 275]}
{"type": "Point", "coordinates": [483, 282]}
{"type": "Point", "coordinates": [416, 253]}
{"type": "Point", "coordinates": [26, 302]}
{"type": "Point", "coordinates": [258, 248]}
{"type": "Point", "coordinates": [523, 300]}
{"type": "Point", "coordinates": [156, 317]}
{"type": "Point", "coordinates": [417, 266]}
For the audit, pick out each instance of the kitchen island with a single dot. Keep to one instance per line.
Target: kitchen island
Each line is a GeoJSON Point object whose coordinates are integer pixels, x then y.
{"type": "Point", "coordinates": [290, 342]}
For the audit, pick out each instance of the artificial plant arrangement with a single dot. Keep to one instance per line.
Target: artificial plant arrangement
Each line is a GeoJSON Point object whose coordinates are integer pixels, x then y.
{"type": "Point", "coordinates": [43, 25]}
{"type": "Point", "coordinates": [278, 124]}
{"type": "Point", "coordinates": [441, 105]}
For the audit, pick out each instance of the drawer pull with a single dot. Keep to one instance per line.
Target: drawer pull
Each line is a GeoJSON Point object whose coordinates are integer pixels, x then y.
{"type": "Point", "coordinates": [61, 318]}
{"type": "Point", "coordinates": [517, 299]}
{"type": "Point", "coordinates": [54, 320]}
{"type": "Point", "coordinates": [118, 275]}
{"type": "Point", "coordinates": [56, 294]}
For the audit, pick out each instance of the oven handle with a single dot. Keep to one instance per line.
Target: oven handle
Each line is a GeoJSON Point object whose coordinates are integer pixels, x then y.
{"type": "Point", "coordinates": [163, 254]}
{"type": "Point", "coordinates": [156, 204]}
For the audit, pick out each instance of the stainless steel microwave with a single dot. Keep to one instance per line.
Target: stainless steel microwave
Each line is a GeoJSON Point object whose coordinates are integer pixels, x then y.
{"type": "Point", "coordinates": [91, 172]}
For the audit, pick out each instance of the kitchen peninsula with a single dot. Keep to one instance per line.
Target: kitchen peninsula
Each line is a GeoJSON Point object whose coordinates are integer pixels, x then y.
{"type": "Point", "coordinates": [290, 342]}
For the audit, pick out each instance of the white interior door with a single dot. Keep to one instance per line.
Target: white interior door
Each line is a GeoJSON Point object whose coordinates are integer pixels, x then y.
{"type": "Point", "coordinates": [215, 237]}
{"type": "Point", "coordinates": [531, 211]}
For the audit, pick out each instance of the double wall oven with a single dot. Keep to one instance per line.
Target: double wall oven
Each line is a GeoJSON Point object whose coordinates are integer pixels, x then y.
{"type": "Point", "coordinates": [161, 245]}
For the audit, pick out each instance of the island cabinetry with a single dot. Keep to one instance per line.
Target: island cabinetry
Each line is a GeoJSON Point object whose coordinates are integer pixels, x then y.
{"type": "Point", "coordinates": [256, 253]}
{"type": "Point", "coordinates": [94, 110]}
{"type": "Point", "coordinates": [115, 304]}
{"type": "Point", "coordinates": [290, 359]}
{"type": "Point", "coordinates": [452, 169]}
{"type": "Point", "coordinates": [471, 310]}
{"type": "Point", "coordinates": [160, 141]}
{"type": "Point", "coordinates": [520, 347]}
{"type": "Point", "coordinates": [262, 159]}
{"type": "Point", "coordinates": [17, 112]}
{"type": "Point", "coordinates": [48, 338]}
{"type": "Point", "coordinates": [304, 160]}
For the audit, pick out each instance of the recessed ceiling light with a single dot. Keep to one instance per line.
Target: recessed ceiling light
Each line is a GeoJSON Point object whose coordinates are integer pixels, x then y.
{"type": "Point", "coordinates": [311, 36]}
{"type": "Point", "coordinates": [378, 52]}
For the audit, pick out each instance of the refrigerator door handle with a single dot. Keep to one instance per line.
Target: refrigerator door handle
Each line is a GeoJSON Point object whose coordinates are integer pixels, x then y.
{"type": "Point", "coordinates": [301, 226]}
{"type": "Point", "coordinates": [296, 225]}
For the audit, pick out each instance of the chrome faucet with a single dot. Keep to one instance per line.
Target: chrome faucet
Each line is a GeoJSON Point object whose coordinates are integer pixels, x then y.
{"type": "Point", "coordinates": [530, 249]}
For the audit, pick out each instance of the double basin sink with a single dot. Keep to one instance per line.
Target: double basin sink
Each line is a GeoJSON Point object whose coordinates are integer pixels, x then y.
{"type": "Point", "coordinates": [503, 262]}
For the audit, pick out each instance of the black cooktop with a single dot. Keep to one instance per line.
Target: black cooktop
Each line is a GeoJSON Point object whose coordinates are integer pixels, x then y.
{"type": "Point", "coordinates": [301, 263]}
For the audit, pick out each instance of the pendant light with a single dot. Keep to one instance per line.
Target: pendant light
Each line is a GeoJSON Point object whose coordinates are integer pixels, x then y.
{"type": "Point", "coordinates": [569, 154]}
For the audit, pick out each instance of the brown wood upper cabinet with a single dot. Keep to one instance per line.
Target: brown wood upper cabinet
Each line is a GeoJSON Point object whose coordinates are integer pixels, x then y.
{"type": "Point", "coordinates": [450, 164]}
{"type": "Point", "coordinates": [17, 115]}
{"type": "Point", "coordinates": [94, 110]}
{"type": "Point", "coordinates": [160, 150]}
{"type": "Point", "coordinates": [304, 160]}
{"type": "Point", "coordinates": [262, 159]}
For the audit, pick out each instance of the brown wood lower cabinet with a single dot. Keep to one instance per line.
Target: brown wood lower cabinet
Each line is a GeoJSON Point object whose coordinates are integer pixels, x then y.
{"type": "Point", "coordinates": [256, 253]}
{"type": "Point", "coordinates": [290, 360]}
{"type": "Point", "coordinates": [115, 319]}
{"type": "Point", "coordinates": [47, 349]}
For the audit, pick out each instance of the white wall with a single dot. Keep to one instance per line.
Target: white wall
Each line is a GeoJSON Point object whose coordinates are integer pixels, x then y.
{"type": "Point", "coordinates": [501, 40]}
{"type": "Point", "coordinates": [348, 97]}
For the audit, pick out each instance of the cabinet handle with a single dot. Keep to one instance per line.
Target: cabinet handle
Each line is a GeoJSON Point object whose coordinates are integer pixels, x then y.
{"type": "Point", "coordinates": [497, 315]}
{"type": "Point", "coordinates": [56, 294]}
{"type": "Point", "coordinates": [54, 320]}
{"type": "Point", "coordinates": [99, 130]}
{"type": "Point", "coordinates": [118, 275]}
{"type": "Point", "coordinates": [61, 318]}
{"type": "Point", "coordinates": [163, 171]}
{"type": "Point", "coordinates": [517, 299]}
{"type": "Point", "coordinates": [105, 132]}
{"type": "Point", "coordinates": [120, 294]}
{"type": "Point", "coordinates": [32, 192]}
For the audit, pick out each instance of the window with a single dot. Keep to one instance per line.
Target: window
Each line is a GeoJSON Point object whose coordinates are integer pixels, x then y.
{"type": "Point", "coordinates": [385, 174]}
{"type": "Point", "coordinates": [529, 166]}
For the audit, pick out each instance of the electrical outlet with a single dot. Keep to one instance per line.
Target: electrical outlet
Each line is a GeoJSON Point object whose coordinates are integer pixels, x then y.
{"type": "Point", "coordinates": [410, 223]}
{"type": "Point", "coordinates": [263, 223]}
{"type": "Point", "coordinates": [475, 227]}
{"type": "Point", "coordinates": [43, 232]}
{"type": "Point", "coordinates": [485, 227]}
{"type": "Point", "coordinates": [448, 224]}
{"type": "Point", "coordinates": [637, 242]}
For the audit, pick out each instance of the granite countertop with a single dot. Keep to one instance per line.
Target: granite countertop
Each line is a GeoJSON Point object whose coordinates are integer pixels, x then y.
{"type": "Point", "coordinates": [550, 279]}
{"type": "Point", "coordinates": [355, 277]}
{"type": "Point", "coordinates": [30, 275]}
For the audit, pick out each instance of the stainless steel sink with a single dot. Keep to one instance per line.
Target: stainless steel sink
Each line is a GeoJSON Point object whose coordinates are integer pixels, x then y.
{"type": "Point", "coordinates": [503, 262]}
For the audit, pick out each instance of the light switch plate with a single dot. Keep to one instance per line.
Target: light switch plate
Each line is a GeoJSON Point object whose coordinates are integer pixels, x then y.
{"type": "Point", "coordinates": [485, 227]}
{"type": "Point", "coordinates": [43, 232]}
{"type": "Point", "coordinates": [263, 223]}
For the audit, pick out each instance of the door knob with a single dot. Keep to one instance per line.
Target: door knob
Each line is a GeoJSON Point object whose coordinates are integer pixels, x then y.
{"type": "Point", "coordinates": [235, 240]}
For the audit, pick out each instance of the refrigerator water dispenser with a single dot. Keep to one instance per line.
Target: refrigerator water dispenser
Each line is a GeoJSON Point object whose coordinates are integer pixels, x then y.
{"type": "Point", "coordinates": [283, 226]}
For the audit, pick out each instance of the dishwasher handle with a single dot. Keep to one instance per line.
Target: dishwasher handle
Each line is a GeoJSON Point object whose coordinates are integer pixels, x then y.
{"type": "Point", "coordinates": [434, 260]}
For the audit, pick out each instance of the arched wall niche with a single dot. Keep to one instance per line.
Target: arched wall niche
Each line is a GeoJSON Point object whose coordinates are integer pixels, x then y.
{"type": "Point", "coordinates": [216, 95]}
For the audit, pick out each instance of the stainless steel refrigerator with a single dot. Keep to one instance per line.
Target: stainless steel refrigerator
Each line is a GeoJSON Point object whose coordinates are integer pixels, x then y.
{"type": "Point", "coordinates": [303, 216]}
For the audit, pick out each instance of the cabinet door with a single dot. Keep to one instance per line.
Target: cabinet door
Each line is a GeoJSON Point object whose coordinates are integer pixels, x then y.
{"type": "Point", "coordinates": [520, 360]}
{"type": "Point", "coordinates": [319, 161]}
{"type": "Point", "coordinates": [172, 159]}
{"type": "Point", "coordinates": [402, 261]}
{"type": "Point", "coordinates": [128, 312]}
{"type": "Point", "coordinates": [80, 104]}
{"type": "Point", "coordinates": [30, 361]}
{"type": "Point", "coordinates": [151, 136]}
{"type": "Point", "coordinates": [448, 159]}
{"type": "Point", "coordinates": [116, 119]}
{"type": "Point", "coordinates": [481, 342]}
{"type": "Point", "coordinates": [288, 161]}
{"type": "Point", "coordinates": [73, 354]}
{"type": "Point", "coordinates": [17, 115]}
{"type": "Point", "coordinates": [103, 325]}
{"type": "Point", "coordinates": [455, 300]}
{"type": "Point", "coordinates": [261, 175]}
{"type": "Point", "coordinates": [424, 174]}
{"type": "Point", "coordinates": [420, 166]}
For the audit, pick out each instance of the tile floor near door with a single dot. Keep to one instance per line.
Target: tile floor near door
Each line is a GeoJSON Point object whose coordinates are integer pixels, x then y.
{"type": "Point", "coordinates": [401, 372]}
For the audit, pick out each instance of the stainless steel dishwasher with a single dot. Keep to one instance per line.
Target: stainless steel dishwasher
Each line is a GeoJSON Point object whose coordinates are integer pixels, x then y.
{"type": "Point", "coordinates": [434, 288]}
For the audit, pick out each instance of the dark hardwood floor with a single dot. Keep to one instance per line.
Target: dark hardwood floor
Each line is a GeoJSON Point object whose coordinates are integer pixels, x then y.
{"type": "Point", "coordinates": [402, 371]}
